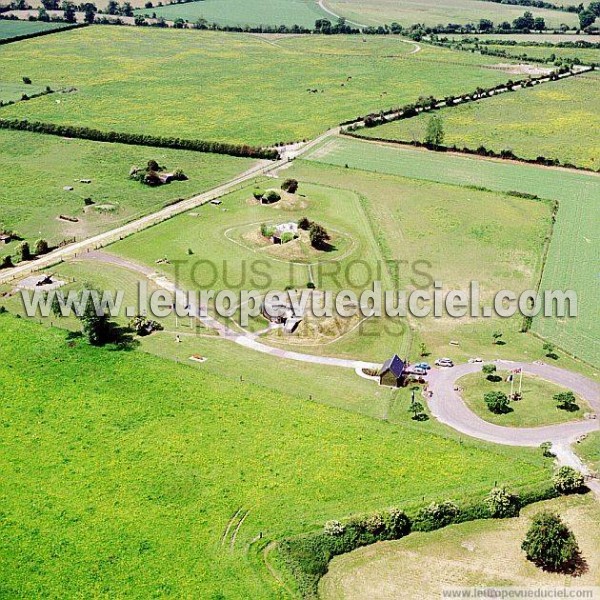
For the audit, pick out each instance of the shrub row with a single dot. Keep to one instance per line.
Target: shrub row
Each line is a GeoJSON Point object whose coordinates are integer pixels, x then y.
{"type": "Point", "coordinates": [26, 36]}
{"type": "Point", "coordinates": [307, 556]}
{"type": "Point", "coordinates": [481, 151]}
{"type": "Point", "coordinates": [25, 97]}
{"type": "Point", "coordinates": [86, 133]}
{"type": "Point", "coordinates": [430, 103]}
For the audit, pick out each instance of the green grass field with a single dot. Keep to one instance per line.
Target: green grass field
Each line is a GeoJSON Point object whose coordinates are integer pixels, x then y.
{"type": "Point", "coordinates": [385, 219]}
{"type": "Point", "coordinates": [550, 120]}
{"type": "Point", "coordinates": [12, 92]}
{"type": "Point", "coordinates": [230, 87]}
{"type": "Point", "coordinates": [122, 480]}
{"type": "Point", "coordinates": [46, 164]}
{"type": "Point", "coordinates": [433, 13]}
{"type": "Point", "coordinates": [478, 553]}
{"type": "Point", "coordinates": [238, 13]}
{"type": "Point", "coordinates": [222, 236]}
{"type": "Point", "coordinates": [574, 230]}
{"type": "Point", "coordinates": [10, 29]}
{"type": "Point", "coordinates": [536, 408]}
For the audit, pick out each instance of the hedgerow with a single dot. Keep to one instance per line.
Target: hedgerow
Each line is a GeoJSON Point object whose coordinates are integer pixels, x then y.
{"type": "Point", "coordinates": [136, 139]}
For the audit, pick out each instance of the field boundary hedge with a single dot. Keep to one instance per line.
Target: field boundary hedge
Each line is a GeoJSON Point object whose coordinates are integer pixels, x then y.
{"type": "Point", "coordinates": [481, 151]}
{"type": "Point", "coordinates": [27, 36]}
{"type": "Point", "coordinates": [307, 556]}
{"type": "Point", "coordinates": [133, 139]}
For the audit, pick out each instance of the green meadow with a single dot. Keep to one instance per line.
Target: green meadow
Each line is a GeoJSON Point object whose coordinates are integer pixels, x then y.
{"type": "Point", "coordinates": [549, 120]}
{"type": "Point", "coordinates": [573, 233]}
{"type": "Point", "coordinates": [49, 163]}
{"type": "Point", "coordinates": [238, 13]}
{"type": "Point", "coordinates": [585, 55]}
{"type": "Point", "coordinates": [434, 13]}
{"type": "Point", "coordinates": [11, 29]}
{"type": "Point", "coordinates": [123, 479]}
{"type": "Point", "coordinates": [230, 87]}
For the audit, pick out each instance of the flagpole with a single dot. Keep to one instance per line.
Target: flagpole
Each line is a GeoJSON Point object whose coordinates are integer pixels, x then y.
{"type": "Point", "coordinates": [521, 383]}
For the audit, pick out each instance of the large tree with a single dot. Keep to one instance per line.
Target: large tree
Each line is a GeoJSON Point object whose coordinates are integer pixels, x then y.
{"type": "Point", "coordinates": [435, 131]}
{"type": "Point", "coordinates": [550, 544]}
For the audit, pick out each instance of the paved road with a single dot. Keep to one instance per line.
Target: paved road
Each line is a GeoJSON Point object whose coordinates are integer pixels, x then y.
{"type": "Point", "coordinates": [449, 408]}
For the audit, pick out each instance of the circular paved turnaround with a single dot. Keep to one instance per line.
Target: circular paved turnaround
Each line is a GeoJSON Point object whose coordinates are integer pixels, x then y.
{"type": "Point", "coordinates": [448, 407]}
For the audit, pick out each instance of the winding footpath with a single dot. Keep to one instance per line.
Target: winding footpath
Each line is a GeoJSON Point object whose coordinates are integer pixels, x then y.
{"type": "Point", "coordinates": [247, 340]}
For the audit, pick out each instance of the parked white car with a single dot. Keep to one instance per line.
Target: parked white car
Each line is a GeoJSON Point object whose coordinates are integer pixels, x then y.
{"type": "Point", "coordinates": [475, 360]}
{"type": "Point", "coordinates": [444, 362]}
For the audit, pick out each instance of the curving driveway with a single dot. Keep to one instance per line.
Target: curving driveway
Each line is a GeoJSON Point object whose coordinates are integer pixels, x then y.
{"type": "Point", "coordinates": [449, 408]}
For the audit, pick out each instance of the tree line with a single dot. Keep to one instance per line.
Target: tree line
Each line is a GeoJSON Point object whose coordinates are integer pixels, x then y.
{"type": "Point", "coordinates": [135, 139]}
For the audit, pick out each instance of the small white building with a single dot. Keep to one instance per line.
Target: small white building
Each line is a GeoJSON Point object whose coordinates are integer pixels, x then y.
{"type": "Point", "coordinates": [280, 230]}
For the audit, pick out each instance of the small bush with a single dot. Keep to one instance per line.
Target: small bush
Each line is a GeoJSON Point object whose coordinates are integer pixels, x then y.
{"type": "Point", "coordinates": [290, 185]}
{"type": "Point", "coordinates": [23, 251]}
{"type": "Point", "coordinates": [267, 230]}
{"type": "Point", "coordinates": [568, 481]}
{"type": "Point", "coordinates": [272, 196]}
{"type": "Point", "coordinates": [304, 223]}
{"type": "Point", "coordinates": [41, 247]}
{"type": "Point", "coordinates": [546, 448]}
{"type": "Point", "coordinates": [287, 237]}
{"type": "Point", "coordinates": [258, 193]}
{"type": "Point", "coordinates": [566, 401]}
{"type": "Point", "coordinates": [501, 503]}
{"type": "Point", "coordinates": [497, 402]}
{"type": "Point", "coordinates": [6, 262]}
{"type": "Point", "coordinates": [397, 523]}
{"type": "Point", "coordinates": [437, 515]}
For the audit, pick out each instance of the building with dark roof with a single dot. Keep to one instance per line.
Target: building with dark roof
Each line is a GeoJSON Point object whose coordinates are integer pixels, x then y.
{"type": "Point", "coordinates": [392, 372]}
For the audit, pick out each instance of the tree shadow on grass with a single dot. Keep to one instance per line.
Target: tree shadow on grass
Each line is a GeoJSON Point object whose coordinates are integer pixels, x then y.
{"type": "Point", "coordinates": [576, 567]}
{"type": "Point", "coordinates": [421, 417]}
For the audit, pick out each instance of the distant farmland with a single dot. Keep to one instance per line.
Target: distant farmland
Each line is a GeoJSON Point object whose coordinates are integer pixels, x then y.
{"type": "Point", "coordinates": [231, 87]}
{"type": "Point", "coordinates": [12, 29]}
{"type": "Point", "coordinates": [550, 120]}
{"type": "Point", "coordinates": [433, 12]}
{"type": "Point", "coordinates": [240, 13]}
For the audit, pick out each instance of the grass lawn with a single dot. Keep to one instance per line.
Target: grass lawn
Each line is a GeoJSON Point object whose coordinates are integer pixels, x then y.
{"type": "Point", "coordinates": [536, 408]}
{"type": "Point", "coordinates": [10, 29]}
{"type": "Point", "coordinates": [239, 13]}
{"type": "Point", "coordinates": [14, 91]}
{"type": "Point", "coordinates": [230, 87]}
{"type": "Point", "coordinates": [123, 479]}
{"type": "Point", "coordinates": [384, 217]}
{"type": "Point", "coordinates": [478, 553]}
{"type": "Point", "coordinates": [223, 257]}
{"type": "Point", "coordinates": [551, 120]}
{"type": "Point", "coordinates": [451, 234]}
{"type": "Point", "coordinates": [434, 13]}
{"type": "Point", "coordinates": [36, 168]}
{"type": "Point", "coordinates": [571, 244]}
{"type": "Point", "coordinates": [589, 450]}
